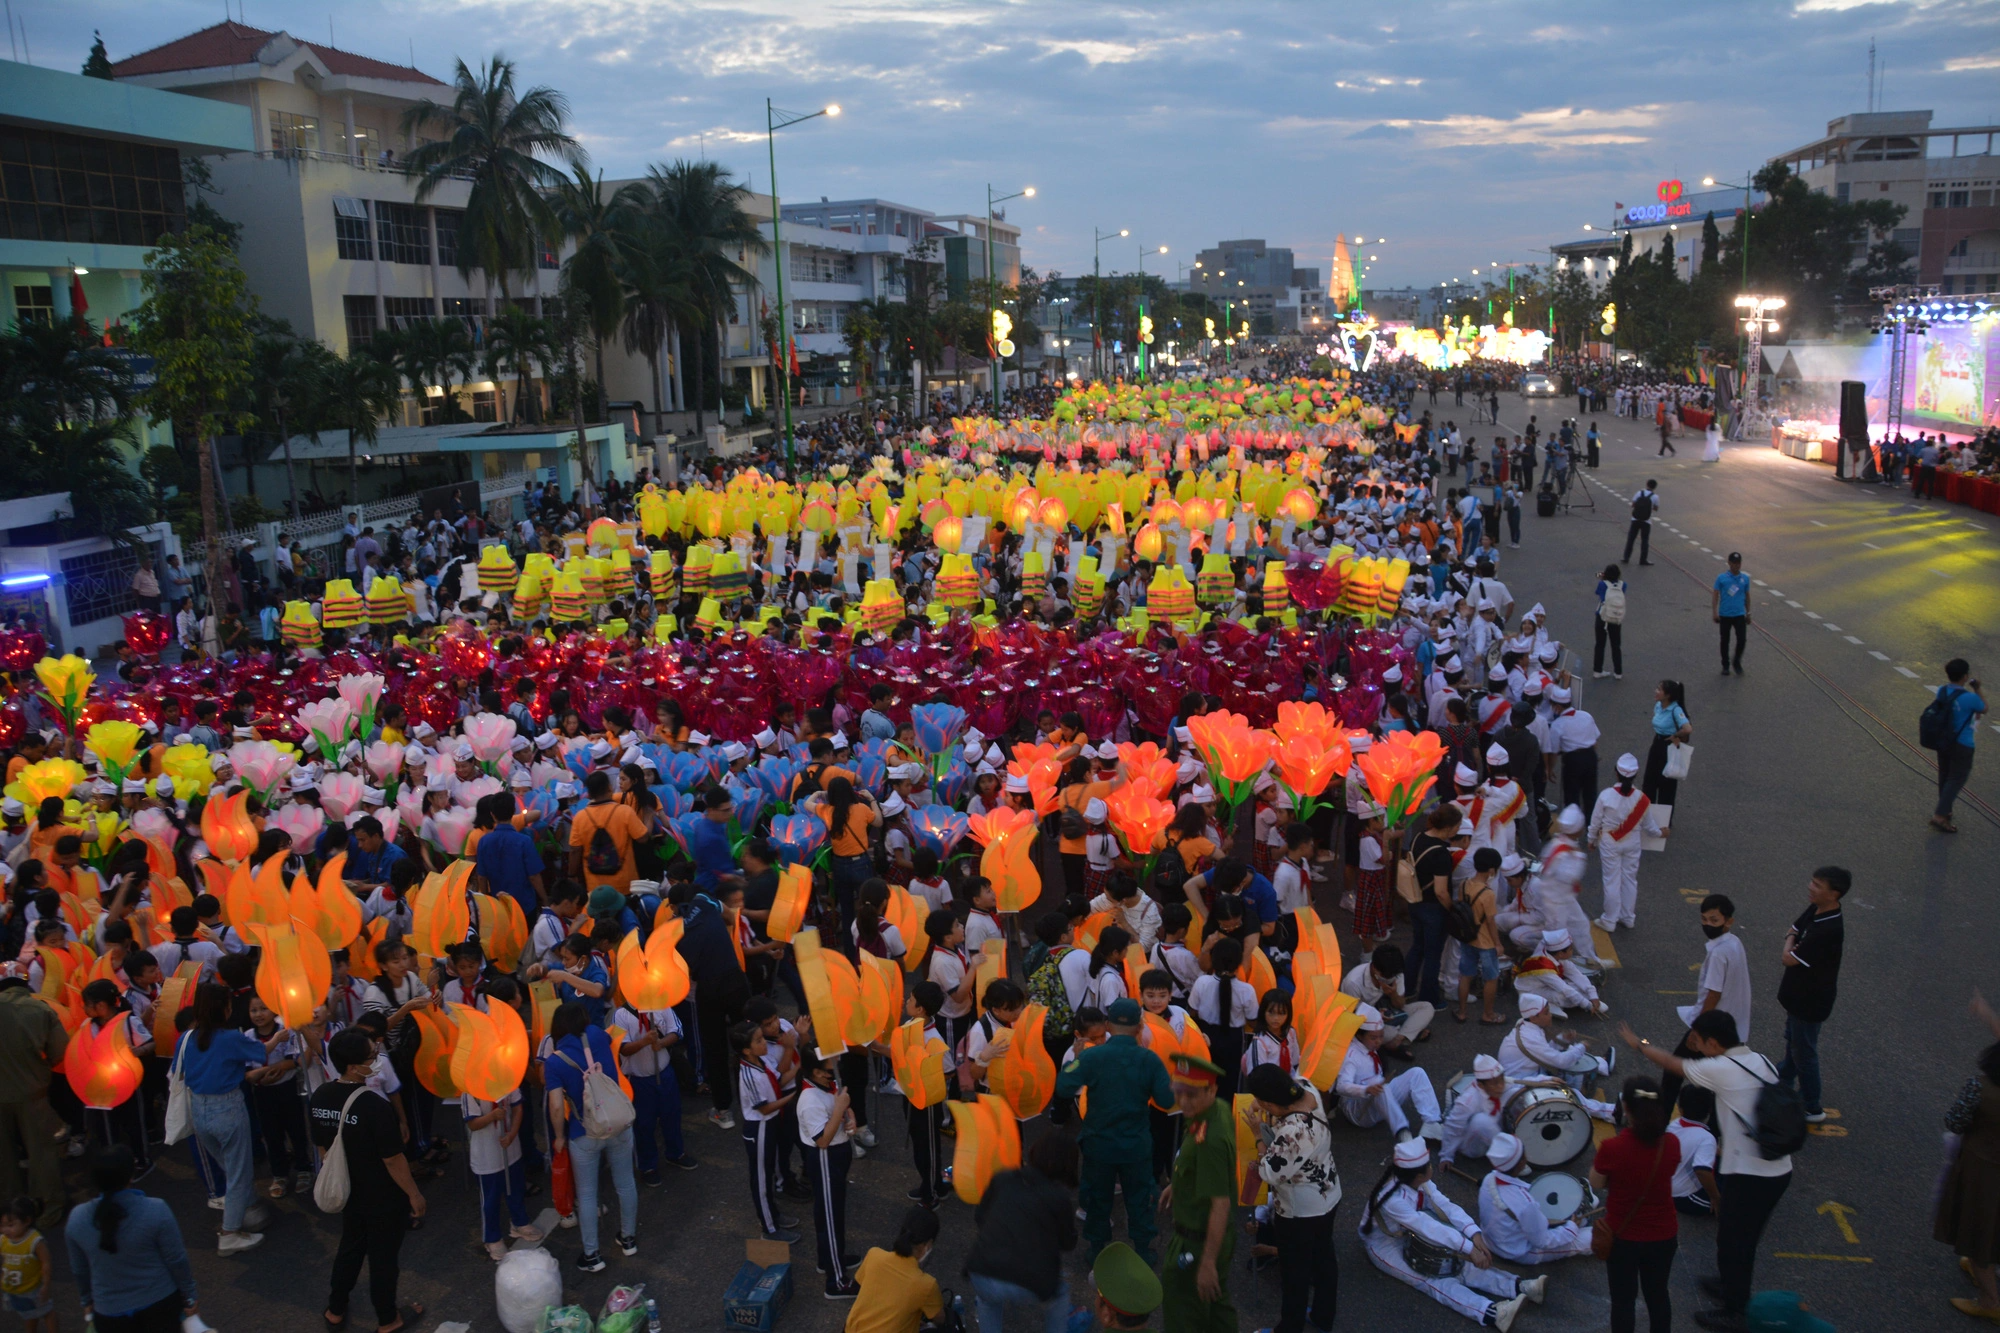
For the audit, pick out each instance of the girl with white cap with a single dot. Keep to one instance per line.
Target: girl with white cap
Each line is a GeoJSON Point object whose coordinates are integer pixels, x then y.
{"type": "Point", "coordinates": [1408, 1218]}
{"type": "Point", "coordinates": [1621, 818]}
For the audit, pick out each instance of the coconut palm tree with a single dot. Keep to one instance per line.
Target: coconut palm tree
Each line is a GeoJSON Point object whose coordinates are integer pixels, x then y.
{"type": "Point", "coordinates": [289, 384]}
{"type": "Point", "coordinates": [701, 207]}
{"type": "Point", "coordinates": [516, 339]}
{"type": "Point", "coordinates": [592, 287]}
{"type": "Point", "coordinates": [656, 275]}
{"type": "Point", "coordinates": [356, 392]}
{"type": "Point", "coordinates": [498, 140]}
{"type": "Point", "coordinates": [868, 322]}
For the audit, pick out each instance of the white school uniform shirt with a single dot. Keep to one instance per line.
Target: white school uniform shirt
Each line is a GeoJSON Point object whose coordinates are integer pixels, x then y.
{"type": "Point", "coordinates": [457, 992]}
{"type": "Point", "coordinates": [1179, 962]}
{"type": "Point", "coordinates": [1074, 969]}
{"type": "Point", "coordinates": [1572, 729]}
{"type": "Point", "coordinates": [774, 1055]}
{"type": "Point", "coordinates": [290, 1046]}
{"type": "Point", "coordinates": [1725, 967]}
{"type": "Point", "coordinates": [892, 939]}
{"type": "Point", "coordinates": [815, 1111]}
{"type": "Point", "coordinates": [1736, 1077]}
{"type": "Point", "coordinates": [380, 904]}
{"type": "Point", "coordinates": [1289, 882]}
{"type": "Point", "coordinates": [1100, 849]}
{"type": "Point", "coordinates": [225, 938]}
{"type": "Point", "coordinates": [1613, 808]}
{"type": "Point", "coordinates": [981, 926]}
{"type": "Point", "coordinates": [1205, 1001]}
{"type": "Point", "coordinates": [1265, 1049]}
{"type": "Point", "coordinates": [1513, 1222]}
{"type": "Point", "coordinates": [934, 894]}
{"type": "Point", "coordinates": [1371, 852]}
{"type": "Point", "coordinates": [1697, 1154]}
{"type": "Point", "coordinates": [756, 1084]}
{"type": "Point", "coordinates": [1142, 923]}
{"type": "Point", "coordinates": [1107, 987]}
{"type": "Point", "coordinates": [639, 1023]}
{"type": "Point", "coordinates": [173, 953]}
{"type": "Point", "coordinates": [948, 968]}
{"type": "Point", "coordinates": [549, 931]}
{"type": "Point", "coordinates": [346, 1001]}
{"type": "Point", "coordinates": [981, 1037]}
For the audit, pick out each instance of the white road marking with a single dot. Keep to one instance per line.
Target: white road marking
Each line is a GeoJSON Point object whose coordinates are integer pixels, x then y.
{"type": "Point", "coordinates": [1880, 657]}
{"type": "Point", "coordinates": [1776, 593]}
{"type": "Point", "coordinates": [1703, 547]}
{"type": "Point", "coordinates": [1816, 523]}
{"type": "Point", "coordinates": [1717, 555]}
{"type": "Point", "coordinates": [1871, 546]}
{"type": "Point", "coordinates": [1792, 604]}
{"type": "Point", "coordinates": [1940, 573]}
{"type": "Point", "coordinates": [1906, 671]}
{"type": "Point", "coordinates": [1813, 614]}
{"type": "Point", "coordinates": [1760, 583]}
{"type": "Point", "coordinates": [1835, 628]}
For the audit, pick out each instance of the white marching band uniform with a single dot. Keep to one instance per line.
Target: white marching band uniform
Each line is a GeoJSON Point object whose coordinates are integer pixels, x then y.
{"type": "Point", "coordinates": [1515, 1226]}
{"type": "Point", "coordinates": [1560, 981]}
{"type": "Point", "coordinates": [1425, 1211]}
{"type": "Point", "coordinates": [1618, 853]}
{"type": "Point", "coordinates": [1406, 1102]}
{"type": "Point", "coordinates": [1529, 1054]}
{"type": "Point", "coordinates": [1552, 891]}
{"type": "Point", "coordinates": [1473, 1120]}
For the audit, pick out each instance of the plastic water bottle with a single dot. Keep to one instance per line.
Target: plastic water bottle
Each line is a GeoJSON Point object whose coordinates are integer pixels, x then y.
{"type": "Point", "coordinates": [652, 1315]}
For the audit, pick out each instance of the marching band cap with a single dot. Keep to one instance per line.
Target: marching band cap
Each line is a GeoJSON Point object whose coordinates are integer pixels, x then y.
{"type": "Point", "coordinates": [1628, 766]}
{"type": "Point", "coordinates": [1532, 1004]}
{"type": "Point", "coordinates": [1504, 1151]}
{"type": "Point", "coordinates": [1556, 940]}
{"type": "Point", "coordinates": [1485, 1066]}
{"type": "Point", "coordinates": [1412, 1153]}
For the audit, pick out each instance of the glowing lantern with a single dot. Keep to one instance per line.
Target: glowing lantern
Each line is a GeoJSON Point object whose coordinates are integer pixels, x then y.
{"type": "Point", "coordinates": [116, 745]}
{"type": "Point", "coordinates": [176, 994]}
{"type": "Point", "coordinates": [1299, 505]}
{"type": "Point", "coordinates": [654, 976]}
{"type": "Point", "coordinates": [1235, 752]}
{"type": "Point", "coordinates": [1053, 513]}
{"type": "Point", "coordinates": [1146, 543]}
{"type": "Point", "coordinates": [433, 1062]}
{"type": "Point", "coordinates": [441, 914]}
{"type": "Point", "coordinates": [908, 919]}
{"type": "Point", "coordinates": [1197, 514]}
{"type": "Point", "coordinates": [881, 986]}
{"type": "Point", "coordinates": [1023, 1076]}
{"type": "Point", "coordinates": [491, 1054]}
{"type": "Point", "coordinates": [50, 777]}
{"type": "Point", "coordinates": [989, 1142]}
{"type": "Point", "coordinates": [949, 532]}
{"type": "Point", "coordinates": [100, 1066]}
{"type": "Point", "coordinates": [794, 899]}
{"type": "Point", "coordinates": [66, 683]}
{"type": "Point", "coordinates": [293, 972]}
{"type": "Point", "coordinates": [1399, 769]}
{"type": "Point", "coordinates": [828, 1020]}
{"type": "Point", "coordinates": [918, 1065]}
{"type": "Point", "coordinates": [226, 828]}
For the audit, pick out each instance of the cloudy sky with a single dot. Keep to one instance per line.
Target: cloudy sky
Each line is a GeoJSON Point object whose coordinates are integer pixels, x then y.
{"type": "Point", "coordinates": [1466, 133]}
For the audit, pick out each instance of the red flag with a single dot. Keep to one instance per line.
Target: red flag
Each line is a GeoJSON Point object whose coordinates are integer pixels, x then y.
{"type": "Point", "coordinates": [79, 307]}
{"type": "Point", "coordinates": [792, 344]}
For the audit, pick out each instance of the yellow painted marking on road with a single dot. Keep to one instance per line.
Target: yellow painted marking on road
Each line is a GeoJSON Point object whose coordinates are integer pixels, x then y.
{"type": "Point", "coordinates": [1831, 1113]}
{"type": "Point", "coordinates": [1839, 1213]}
{"type": "Point", "coordinates": [1601, 943]}
{"type": "Point", "coordinates": [1830, 1258]}
{"type": "Point", "coordinates": [1828, 1131]}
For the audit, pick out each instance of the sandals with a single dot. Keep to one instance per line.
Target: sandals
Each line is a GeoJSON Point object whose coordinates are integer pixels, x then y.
{"type": "Point", "coordinates": [404, 1315]}
{"type": "Point", "coordinates": [275, 1190]}
{"type": "Point", "coordinates": [1458, 1014]}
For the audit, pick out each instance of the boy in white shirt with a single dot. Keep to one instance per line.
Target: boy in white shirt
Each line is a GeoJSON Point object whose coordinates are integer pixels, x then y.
{"type": "Point", "coordinates": [656, 1092]}
{"type": "Point", "coordinates": [983, 922]}
{"type": "Point", "coordinates": [493, 1151]}
{"type": "Point", "coordinates": [1171, 954]}
{"type": "Point", "coordinates": [1136, 912]}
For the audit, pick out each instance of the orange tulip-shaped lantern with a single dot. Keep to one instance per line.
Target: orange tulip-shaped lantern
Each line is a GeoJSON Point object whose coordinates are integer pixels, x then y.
{"type": "Point", "coordinates": [918, 1064]}
{"type": "Point", "coordinates": [510, 935]}
{"type": "Point", "coordinates": [440, 911]}
{"type": "Point", "coordinates": [1141, 822]}
{"type": "Point", "coordinates": [1400, 769]}
{"type": "Point", "coordinates": [293, 971]}
{"type": "Point", "coordinates": [653, 976]}
{"type": "Point", "coordinates": [491, 1055]}
{"type": "Point", "coordinates": [100, 1066]}
{"type": "Point", "coordinates": [793, 901]}
{"type": "Point", "coordinates": [908, 919]}
{"type": "Point", "coordinates": [1257, 970]}
{"type": "Point", "coordinates": [434, 1053]}
{"type": "Point", "coordinates": [1023, 1076]}
{"type": "Point", "coordinates": [335, 913]}
{"type": "Point", "coordinates": [542, 1007]}
{"type": "Point", "coordinates": [881, 996]}
{"type": "Point", "coordinates": [1148, 767]}
{"type": "Point", "coordinates": [1234, 751]}
{"type": "Point", "coordinates": [1250, 1187]}
{"type": "Point", "coordinates": [227, 829]}
{"type": "Point", "coordinates": [989, 1142]}
{"type": "Point", "coordinates": [829, 1025]}
{"type": "Point", "coordinates": [258, 899]}
{"type": "Point", "coordinates": [989, 965]}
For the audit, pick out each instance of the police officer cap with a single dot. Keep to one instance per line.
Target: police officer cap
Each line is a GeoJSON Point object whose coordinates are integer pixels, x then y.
{"type": "Point", "coordinates": [1124, 1281]}
{"type": "Point", "coordinates": [1122, 1013]}
{"type": "Point", "coordinates": [1192, 1069]}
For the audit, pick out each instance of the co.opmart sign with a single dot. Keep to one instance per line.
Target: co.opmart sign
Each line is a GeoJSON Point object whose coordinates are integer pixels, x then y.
{"type": "Point", "coordinates": [1670, 205]}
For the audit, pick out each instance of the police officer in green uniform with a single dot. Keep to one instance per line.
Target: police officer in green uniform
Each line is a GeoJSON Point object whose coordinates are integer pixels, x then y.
{"type": "Point", "coordinates": [1117, 1139]}
{"type": "Point", "coordinates": [1202, 1196]}
{"type": "Point", "coordinates": [1127, 1290]}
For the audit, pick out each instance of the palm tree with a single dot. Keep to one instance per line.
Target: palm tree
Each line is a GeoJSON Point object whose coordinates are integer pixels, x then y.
{"type": "Point", "coordinates": [701, 207]}
{"type": "Point", "coordinates": [591, 283]}
{"type": "Point", "coordinates": [289, 385]}
{"type": "Point", "coordinates": [357, 391]}
{"type": "Point", "coordinates": [72, 374]}
{"type": "Point", "coordinates": [497, 140]}
{"type": "Point", "coordinates": [444, 350]}
{"type": "Point", "coordinates": [868, 322]}
{"type": "Point", "coordinates": [515, 339]}
{"type": "Point", "coordinates": [657, 279]}
{"type": "Point", "coordinates": [913, 326]}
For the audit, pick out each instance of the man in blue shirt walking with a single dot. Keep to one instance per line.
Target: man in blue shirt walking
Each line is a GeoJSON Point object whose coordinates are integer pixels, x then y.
{"type": "Point", "coordinates": [1955, 755]}
{"type": "Point", "coordinates": [1729, 607]}
{"type": "Point", "coordinates": [507, 859]}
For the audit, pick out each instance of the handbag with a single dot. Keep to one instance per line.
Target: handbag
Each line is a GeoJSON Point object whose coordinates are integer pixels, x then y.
{"type": "Point", "coordinates": [1602, 1238]}
{"type": "Point", "coordinates": [180, 1105]}
{"type": "Point", "coordinates": [333, 1184]}
{"type": "Point", "coordinates": [1679, 755]}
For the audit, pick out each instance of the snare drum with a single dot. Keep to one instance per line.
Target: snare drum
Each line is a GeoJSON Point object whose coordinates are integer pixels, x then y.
{"type": "Point", "coordinates": [1550, 1122]}
{"type": "Point", "coordinates": [1562, 1196]}
{"type": "Point", "coordinates": [1457, 1088]}
{"type": "Point", "coordinates": [1429, 1260]}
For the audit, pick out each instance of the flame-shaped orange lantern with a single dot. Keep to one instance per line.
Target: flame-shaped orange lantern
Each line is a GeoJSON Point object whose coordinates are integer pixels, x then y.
{"type": "Point", "coordinates": [1008, 860]}
{"type": "Point", "coordinates": [227, 828]}
{"type": "Point", "coordinates": [918, 1064]}
{"type": "Point", "coordinates": [1093, 926]}
{"type": "Point", "coordinates": [1304, 766]}
{"type": "Point", "coordinates": [510, 933]}
{"type": "Point", "coordinates": [293, 971]}
{"type": "Point", "coordinates": [100, 1066]}
{"type": "Point", "coordinates": [1400, 768]}
{"type": "Point", "coordinates": [989, 1142]}
{"type": "Point", "coordinates": [176, 994]}
{"type": "Point", "coordinates": [490, 1056]}
{"type": "Point", "coordinates": [1023, 1076]}
{"type": "Point", "coordinates": [440, 911]}
{"type": "Point", "coordinates": [989, 965]}
{"type": "Point", "coordinates": [361, 954]}
{"type": "Point", "coordinates": [248, 899]}
{"type": "Point", "coordinates": [1257, 970]}
{"type": "Point", "coordinates": [1148, 767]}
{"type": "Point", "coordinates": [1327, 1021]}
{"type": "Point", "coordinates": [829, 1024]}
{"type": "Point", "coordinates": [793, 901]}
{"type": "Point", "coordinates": [881, 996]}
{"type": "Point", "coordinates": [1026, 505]}
{"type": "Point", "coordinates": [1167, 511]}
{"type": "Point", "coordinates": [432, 1064]}
{"type": "Point", "coordinates": [908, 919]}
{"type": "Point", "coordinates": [845, 984]}
{"type": "Point", "coordinates": [328, 909]}
{"type": "Point", "coordinates": [654, 976]}
{"type": "Point", "coordinates": [1053, 513]}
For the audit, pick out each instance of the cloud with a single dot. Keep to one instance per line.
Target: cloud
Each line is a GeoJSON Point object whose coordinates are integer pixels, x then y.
{"type": "Point", "coordinates": [1375, 83]}
{"type": "Point", "coordinates": [1380, 130]}
{"type": "Point", "coordinates": [1556, 127]}
{"type": "Point", "coordinates": [1959, 64]}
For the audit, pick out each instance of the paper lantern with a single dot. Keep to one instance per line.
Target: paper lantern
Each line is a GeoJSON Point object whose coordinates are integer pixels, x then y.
{"type": "Point", "coordinates": [440, 914]}
{"type": "Point", "coordinates": [176, 994]}
{"type": "Point", "coordinates": [100, 1066]}
{"type": "Point", "coordinates": [881, 987]}
{"type": "Point", "coordinates": [949, 533]}
{"type": "Point", "coordinates": [66, 683]}
{"type": "Point", "coordinates": [263, 767]}
{"type": "Point", "coordinates": [490, 1057]}
{"type": "Point", "coordinates": [918, 1065]}
{"type": "Point", "coordinates": [828, 1021]}
{"type": "Point", "coordinates": [50, 777]}
{"type": "Point", "coordinates": [116, 744]}
{"type": "Point", "coordinates": [147, 632]}
{"type": "Point", "coordinates": [293, 972]}
{"type": "Point", "coordinates": [246, 898]}
{"type": "Point", "coordinates": [1257, 970]}
{"type": "Point", "coordinates": [1400, 768]}
{"type": "Point", "coordinates": [510, 936]}
{"type": "Point", "coordinates": [328, 909]}
{"type": "Point", "coordinates": [542, 1003]}
{"type": "Point", "coordinates": [989, 1142]}
{"type": "Point", "coordinates": [1023, 1076]}
{"type": "Point", "coordinates": [798, 838]}
{"type": "Point", "coordinates": [433, 1061]}
{"type": "Point", "coordinates": [988, 966]}
{"type": "Point", "coordinates": [1250, 1187]}
{"type": "Point", "coordinates": [844, 982]}
{"type": "Point", "coordinates": [907, 916]}
{"type": "Point", "coordinates": [653, 976]}
{"type": "Point", "coordinates": [1234, 751]}
{"type": "Point", "coordinates": [1139, 820]}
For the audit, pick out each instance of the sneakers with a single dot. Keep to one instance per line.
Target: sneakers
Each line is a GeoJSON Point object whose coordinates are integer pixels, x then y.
{"type": "Point", "coordinates": [857, 1149]}
{"type": "Point", "coordinates": [567, 1221]}
{"type": "Point", "coordinates": [651, 1178]}
{"type": "Point", "coordinates": [722, 1120]}
{"type": "Point", "coordinates": [217, 1202]}
{"type": "Point", "coordinates": [918, 1194]}
{"type": "Point", "coordinates": [627, 1245]}
{"type": "Point", "coordinates": [302, 1182]}
{"type": "Point", "coordinates": [1815, 1117]}
{"type": "Point", "coordinates": [1505, 1311]}
{"type": "Point", "coordinates": [684, 1162]}
{"type": "Point", "coordinates": [865, 1136]}
{"type": "Point", "coordinates": [1599, 675]}
{"type": "Point", "coordinates": [842, 1291]}
{"type": "Point", "coordinates": [783, 1235]}
{"type": "Point", "coordinates": [1534, 1288]}
{"type": "Point", "coordinates": [592, 1262]}
{"type": "Point", "coordinates": [235, 1242]}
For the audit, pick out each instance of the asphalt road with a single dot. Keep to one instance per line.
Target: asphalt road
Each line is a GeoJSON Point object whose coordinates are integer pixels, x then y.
{"type": "Point", "coordinates": [1807, 759]}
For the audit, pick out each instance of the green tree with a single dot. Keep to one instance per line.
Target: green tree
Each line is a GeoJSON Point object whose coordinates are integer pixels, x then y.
{"type": "Point", "coordinates": [913, 329]}
{"type": "Point", "coordinates": [1803, 247]}
{"type": "Point", "coordinates": [198, 324]}
{"type": "Point", "coordinates": [592, 284]}
{"type": "Point", "coordinates": [868, 323]}
{"type": "Point", "coordinates": [1711, 240]}
{"type": "Point", "coordinates": [356, 392]}
{"type": "Point", "coordinates": [700, 207]}
{"type": "Point", "coordinates": [656, 279]}
{"type": "Point", "coordinates": [97, 65]}
{"type": "Point", "coordinates": [498, 139]}
{"type": "Point", "coordinates": [514, 339]}
{"type": "Point", "coordinates": [289, 388]}
{"type": "Point", "coordinates": [1576, 305]}
{"type": "Point", "coordinates": [65, 417]}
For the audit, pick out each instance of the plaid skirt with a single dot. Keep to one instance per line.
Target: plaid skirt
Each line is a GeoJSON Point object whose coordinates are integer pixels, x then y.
{"type": "Point", "coordinates": [1095, 881]}
{"type": "Point", "coordinates": [1264, 858]}
{"type": "Point", "coordinates": [1371, 905]}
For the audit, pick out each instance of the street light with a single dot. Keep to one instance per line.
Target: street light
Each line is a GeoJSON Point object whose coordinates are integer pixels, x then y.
{"type": "Point", "coordinates": [993, 362]}
{"type": "Point", "coordinates": [1097, 298]}
{"type": "Point", "coordinates": [1142, 337]}
{"type": "Point", "coordinates": [775, 120]}
{"type": "Point", "coordinates": [1757, 312]}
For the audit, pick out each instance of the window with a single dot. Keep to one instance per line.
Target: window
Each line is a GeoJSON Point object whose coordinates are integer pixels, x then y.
{"type": "Point", "coordinates": [366, 144]}
{"type": "Point", "coordinates": [1982, 198]}
{"type": "Point", "coordinates": [99, 585]}
{"type": "Point", "coordinates": [548, 258]}
{"type": "Point", "coordinates": [447, 233]}
{"type": "Point", "coordinates": [84, 191]}
{"type": "Point", "coordinates": [401, 230]}
{"type": "Point", "coordinates": [1841, 191]}
{"type": "Point", "coordinates": [1958, 199]}
{"type": "Point", "coordinates": [293, 133]}
{"type": "Point", "coordinates": [484, 405]}
{"type": "Point", "coordinates": [360, 312]}
{"type": "Point", "coordinates": [350, 228]}
{"type": "Point", "coordinates": [399, 312]}
{"type": "Point", "coordinates": [822, 266]}
{"type": "Point", "coordinates": [464, 307]}
{"type": "Point", "coordinates": [35, 305]}
{"type": "Point", "coordinates": [1936, 199]}
{"type": "Point", "coordinates": [815, 317]}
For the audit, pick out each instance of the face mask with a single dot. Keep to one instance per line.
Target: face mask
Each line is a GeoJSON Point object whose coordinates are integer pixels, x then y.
{"type": "Point", "coordinates": [1714, 932]}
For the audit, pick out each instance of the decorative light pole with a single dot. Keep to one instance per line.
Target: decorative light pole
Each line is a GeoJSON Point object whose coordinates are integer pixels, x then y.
{"type": "Point", "coordinates": [993, 356]}
{"type": "Point", "coordinates": [775, 120]}
{"type": "Point", "coordinates": [1757, 318]}
{"type": "Point", "coordinates": [1143, 338]}
{"type": "Point", "coordinates": [1097, 300]}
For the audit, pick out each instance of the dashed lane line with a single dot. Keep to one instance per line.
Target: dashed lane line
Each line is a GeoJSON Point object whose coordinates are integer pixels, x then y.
{"type": "Point", "coordinates": [1850, 638]}
{"type": "Point", "coordinates": [1907, 672]}
{"type": "Point", "coordinates": [1878, 656]}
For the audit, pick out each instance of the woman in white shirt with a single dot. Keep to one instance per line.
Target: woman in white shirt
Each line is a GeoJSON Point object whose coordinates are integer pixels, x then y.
{"type": "Point", "coordinates": [1295, 1158]}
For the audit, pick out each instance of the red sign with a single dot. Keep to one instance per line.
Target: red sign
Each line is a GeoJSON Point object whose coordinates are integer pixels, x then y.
{"type": "Point", "coordinates": [1668, 191]}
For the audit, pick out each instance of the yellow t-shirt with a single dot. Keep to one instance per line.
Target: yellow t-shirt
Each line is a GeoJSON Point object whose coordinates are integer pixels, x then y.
{"type": "Point", "coordinates": [896, 1295]}
{"type": "Point", "coordinates": [20, 1266]}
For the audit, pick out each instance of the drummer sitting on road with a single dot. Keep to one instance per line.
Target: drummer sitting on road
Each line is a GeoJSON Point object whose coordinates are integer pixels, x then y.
{"type": "Point", "coordinates": [1532, 1051]}
{"type": "Point", "coordinates": [1407, 1103]}
{"type": "Point", "coordinates": [1512, 1220]}
{"type": "Point", "coordinates": [1552, 972]}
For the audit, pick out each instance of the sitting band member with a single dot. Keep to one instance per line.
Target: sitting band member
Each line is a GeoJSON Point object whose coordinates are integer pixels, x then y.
{"type": "Point", "coordinates": [1515, 1226]}
{"type": "Point", "coordinates": [1553, 973]}
{"type": "Point", "coordinates": [1533, 1051]}
{"type": "Point", "coordinates": [1407, 1103]}
{"type": "Point", "coordinates": [1405, 1207]}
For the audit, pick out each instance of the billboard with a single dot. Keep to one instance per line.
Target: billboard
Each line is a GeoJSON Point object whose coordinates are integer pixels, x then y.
{"type": "Point", "coordinates": [1950, 378]}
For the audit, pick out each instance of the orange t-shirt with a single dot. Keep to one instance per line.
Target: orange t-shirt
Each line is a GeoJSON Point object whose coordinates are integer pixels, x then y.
{"type": "Point", "coordinates": [1075, 797]}
{"type": "Point", "coordinates": [853, 839]}
{"type": "Point", "coordinates": [625, 829]}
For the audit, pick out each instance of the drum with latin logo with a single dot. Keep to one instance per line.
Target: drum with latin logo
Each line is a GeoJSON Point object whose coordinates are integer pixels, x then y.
{"type": "Point", "coordinates": [1562, 1196]}
{"type": "Point", "coordinates": [1549, 1120]}
{"type": "Point", "coordinates": [1429, 1260]}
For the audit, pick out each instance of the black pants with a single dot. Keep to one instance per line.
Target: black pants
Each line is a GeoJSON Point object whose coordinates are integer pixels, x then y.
{"type": "Point", "coordinates": [1659, 789]}
{"type": "Point", "coordinates": [718, 1004]}
{"type": "Point", "coordinates": [1615, 636]}
{"type": "Point", "coordinates": [760, 1145]}
{"type": "Point", "coordinates": [1641, 532]}
{"type": "Point", "coordinates": [1637, 1266]}
{"type": "Point", "coordinates": [1745, 1205]}
{"type": "Point", "coordinates": [1308, 1271]}
{"type": "Point", "coordinates": [826, 1175]}
{"type": "Point", "coordinates": [1579, 778]}
{"type": "Point", "coordinates": [1166, 1141]}
{"type": "Point", "coordinates": [282, 1117]}
{"type": "Point", "coordinates": [376, 1235]}
{"type": "Point", "coordinates": [927, 1152]}
{"type": "Point", "coordinates": [1926, 481]}
{"type": "Point", "coordinates": [124, 1123]}
{"type": "Point", "coordinates": [1740, 626]}
{"type": "Point", "coordinates": [1954, 767]}
{"type": "Point", "coordinates": [162, 1316]}
{"type": "Point", "coordinates": [856, 1077]}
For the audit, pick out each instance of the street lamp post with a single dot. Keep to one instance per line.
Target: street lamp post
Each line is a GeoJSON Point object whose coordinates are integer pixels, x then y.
{"type": "Point", "coordinates": [993, 360]}
{"type": "Point", "coordinates": [1141, 354]}
{"type": "Point", "coordinates": [1097, 299]}
{"type": "Point", "coordinates": [772, 124]}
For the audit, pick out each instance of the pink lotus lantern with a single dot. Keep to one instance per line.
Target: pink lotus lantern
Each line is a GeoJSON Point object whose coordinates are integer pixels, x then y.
{"type": "Point", "coordinates": [469, 794]}
{"type": "Point", "coordinates": [340, 794]}
{"type": "Point", "coordinates": [410, 805]}
{"type": "Point", "coordinates": [390, 820]}
{"type": "Point", "coordinates": [327, 721]}
{"type": "Point", "coordinates": [363, 694]}
{"type": "Point", "coordinates": [303, 822]}
{"type": "Point", "coordinates": [452, 827]}
{"type": "Point", "coordinates": [384, 760]}
{"type": "Point", "coordinates": [491, 737]}
{"type": "Point", "coordinates": [262, 766]}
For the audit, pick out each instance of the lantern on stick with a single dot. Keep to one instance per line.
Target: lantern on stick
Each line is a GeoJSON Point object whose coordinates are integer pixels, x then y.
{"type": "Point", "coordinates": [989, 1142]}
{"type": "Point", "coordinates": [101, 1067]}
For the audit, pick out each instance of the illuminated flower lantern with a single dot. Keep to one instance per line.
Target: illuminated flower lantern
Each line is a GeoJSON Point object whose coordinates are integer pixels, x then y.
{"type": "Point", "coordinates": [341, 607]}
{"type": "Point", "coordinates": [496, 568]}
{"type": "Point", "coordinates": [100, 1065]}
{"type": "Point", "coordinates": [147, 632]}
{"type": "Point", "coordinates": [958, 581]}
{"type": "Point", "coordinates": [1147, 542]}
{"type": "Point", "coordinates": [1198, 514]}
{"type": "Point", "coordinates": [939, 828]}
{"type": "Point", "coordinates": [301, 822]}
{"type": "Point", "coordinates": [491, 1054]}
{"type": "Point", "coordinates": [491, 737]}
{"type": "Point", "coordinates": [1169, 511]}
{"type": "Point", "coordinates": [226, 828]}
{"type": "Point", "coordinates": [1277, 593]}
{"type": "Point", "coordinates": [293, 972]}
{"type": "Point", "coordinates": [938, 727]}
{"type": "Point", "coordinates": [66, 683]}
{"type": "Point", "coordinates": [1026, 505]}
{"type": "Point", "coordinates": [328, 908]}
{"type": "Point", "coordinates": [1034, 576]}
{"type": "Point", "coordinates": [989, 1142]}
{"type": "Point", "coordinates": [116, 745]}
{"type": "Point", "coordinates": [452, 827]}
{"type": "Point", "coordinates": [1008, 862]}
{"type": "Point", "coordinates": [1399, 769]}
{"type": "Point", "coordinates": [299, 627]}
{"type": "Point", "coordinates": [1053, 513]}
{"type": "Point", "coordinates": [1234, 751]}
{"type": "Point", "coordinates": [653, 976]}
{"type": "Point", "coordinates": [1023, 1076]}
{"type": "Point", "coordinates": [262, 766]}
{"type": "Point", "coordinates": [35, 783]}
{"type": "Point", "coordinates": [794, 898]}
{"type": "Point", "coordinates": [798, 838]}
{"type": "Point", "coordinates": [363, 693]}
{"type": "Point", "coordinates": [602, 535]}
{"type": "Point", "coordinates": [384, 760]}
{"type": "Point", "coordinates": [1141, 823]}
{"type": "Point", "coordinates": [328, 722]}
{"type": "Point", "coordinates": [340, 793]}
{"type": "Point", "coordinates": [13, 722]}
{"type": "Point", "coordinates": [388, 604]}
{"type": "Point", "coordinates": [1299, 504]}
{"type": "Point", "coordinates": [918, 1064]}
{"type": "Point", "coordinates": [949, 533]}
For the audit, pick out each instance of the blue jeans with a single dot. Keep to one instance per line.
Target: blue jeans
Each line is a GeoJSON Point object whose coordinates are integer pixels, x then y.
{"type": "Point", "coordinates": [995, 1297]}
{"type": "Point", "coordinates": [1426, 956]}
{"type": "Point", "coordinates": [502, 1200]}
{"type": "Point", "coordinates": [222, 1127]}
{"type": "Point", "coordinates": [849, 874]}
{"type": "Point", "coordinates": [1802, 1061]}
{"type": "Point", "coordinates": [656, 1102]}
{"type": "Point", "coordinates": [584, 1155]}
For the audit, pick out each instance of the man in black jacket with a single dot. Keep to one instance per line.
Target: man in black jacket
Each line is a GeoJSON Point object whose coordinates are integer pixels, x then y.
{"type": "Point", "coordinates": [1812, 972]}
{"type": "Point", "coordinates": [1027, 1222]}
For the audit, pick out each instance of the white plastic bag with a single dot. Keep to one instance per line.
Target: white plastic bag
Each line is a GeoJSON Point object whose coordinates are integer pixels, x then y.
{"type": "Point", "coordinates": [1679, 757]}
{"type": "Point", "coordinates": [526, 1283]}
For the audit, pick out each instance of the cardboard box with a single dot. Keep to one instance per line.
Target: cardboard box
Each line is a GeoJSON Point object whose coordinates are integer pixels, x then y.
{"type": "Point", "coordinates": [761, 1289]}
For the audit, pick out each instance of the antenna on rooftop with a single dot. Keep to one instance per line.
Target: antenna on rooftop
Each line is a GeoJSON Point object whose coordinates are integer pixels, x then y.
{"type": "Point", "coordinates": [1871, 73]}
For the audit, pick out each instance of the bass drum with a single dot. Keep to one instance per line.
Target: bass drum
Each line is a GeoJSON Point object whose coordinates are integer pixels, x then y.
{"type": "Point", "coordinates": [1562, 1196]}
{"type": "Point", "coordinates": [1550, 1122]}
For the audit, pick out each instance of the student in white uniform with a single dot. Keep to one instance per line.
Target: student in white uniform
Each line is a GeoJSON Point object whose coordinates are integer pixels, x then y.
{"type": "Point", "coordinates": [1474, 1118]}
{"type": "Point", "coordinates": [1407, 1205]}
{"type": "Point", "coordinates": [1170, 952]}
{"type": "Point", "coordinates": [1513, 1223]}
{"type": "Point", "coordinates": [1134, 912]}
{"type": "Point", "coordinates": [760, 1104]}
{"type": "Point", "coordinates": [825, 1121]}
{"type": "Point", "coordinates": [1552, 902]}
{"type": "Point", "coordinates": [1694, 1176]}
{"type": "Point", "coordinates": [1406, 1103]}
{"type": "Point", "coordinates": [1379, 981]}
{"type": "Point", "coordinates": [1531, 1051]}
{"type": "Point", "coordinates": [1552, 972]}
{"type": "Point", "coordinates": [1620, 819]}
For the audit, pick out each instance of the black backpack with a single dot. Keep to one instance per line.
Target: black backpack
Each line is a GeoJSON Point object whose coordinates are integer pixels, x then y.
{"type": "Point", "coordinates": [1071, 824]}
{"type": "Point", "coordinates": [1934, 729]}
{"type": "Point", "coordinates": [1459, 920]}
{"type": "Point", "coordinates": [1642, 507]}
{"type": "Point", "coordinates": [601, 856]}
{"type": "Point", "coordinates": [1779, 1129]}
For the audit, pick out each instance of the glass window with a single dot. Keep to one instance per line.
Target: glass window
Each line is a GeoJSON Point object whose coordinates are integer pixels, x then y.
{"type": "Point", "coordinates": [448, 220]}
{"type": "Point", "coordinates": [64, 187]}
{"type": "Point", "coordinates": [401, 231]}
{"type": "Point", "coordinates": [360, 313]}
{"type": "Point", "coordinates": [464, 307]}
{"type": "Point", "coordinates": [35, 305]}
{"type": "Point", "coordinates": [1958, 199]}
{"type": "Point", "coordinates": [484, 407]}
{"type": "Point", "coordinates": [293, 133]}
{"type": "Point", "coordinates": [399, 312]}
{"type": "Point", "coordinates": [350, 228]}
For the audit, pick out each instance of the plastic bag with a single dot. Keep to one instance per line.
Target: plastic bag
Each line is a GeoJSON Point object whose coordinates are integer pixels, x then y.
{"type": "Point", "coordinates": [526, 1283]}
{"type": "Point", "coordinates": [564, 1319]}
{"type": "Point", "coordinates": [624, 1310]}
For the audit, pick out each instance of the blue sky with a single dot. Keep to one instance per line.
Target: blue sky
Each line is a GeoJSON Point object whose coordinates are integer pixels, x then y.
{"type": "Point", "coordinates": [1466, 134]}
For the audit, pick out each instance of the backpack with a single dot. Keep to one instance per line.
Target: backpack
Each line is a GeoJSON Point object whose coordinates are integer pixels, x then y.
{"type": "Point", "coordinates": [401, 1043]}
{"type": "Point", "coordinates": [607, 1111]}
{"type": "Point", "coordinates": [332, 1186]}
{"type": "Point", "coordinates": [1045, 987]}
{"type": "Point", "coordinates": [968, 1077]}
{"type": "Point", "coordinates": [1934, 724]}
{"type": "Point", "coordinates": [1071, 824]}
{"type": "Point", "coordinates": [601, 856]}
{"type": "Point", "coordinates": [1779, 1129]}
{"type": "Point", "coordinates": [1642, 507]}
{"type": "Point", "coordinates": [1612, 609]}
{"type": "Point", "coordinates": [1460, 922]}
